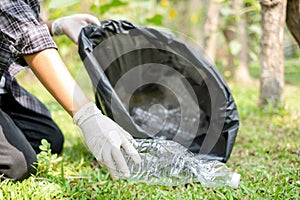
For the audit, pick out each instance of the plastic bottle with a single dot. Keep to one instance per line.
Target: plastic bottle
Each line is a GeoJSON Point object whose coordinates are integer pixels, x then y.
{"type": "Point", "coordinates": [162, 122]}
{"type": "Point", "coordinates": [165, 162]}
{"type": "Point", "coordinates": [158, 120]}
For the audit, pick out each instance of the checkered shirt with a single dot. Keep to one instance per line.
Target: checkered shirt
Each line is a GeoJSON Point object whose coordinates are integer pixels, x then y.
{"type": "Point", "coordinates": [20, 34]}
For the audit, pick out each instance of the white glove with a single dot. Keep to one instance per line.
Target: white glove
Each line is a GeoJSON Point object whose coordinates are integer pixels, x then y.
{"type": "Point", "coordinates": [72, 25]}
{"type": "Point", "coordinates": [104, 139]}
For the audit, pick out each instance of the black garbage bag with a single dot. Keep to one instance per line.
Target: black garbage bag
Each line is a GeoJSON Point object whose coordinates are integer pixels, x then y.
{"type": "Point", "coordinates": [156, 86]}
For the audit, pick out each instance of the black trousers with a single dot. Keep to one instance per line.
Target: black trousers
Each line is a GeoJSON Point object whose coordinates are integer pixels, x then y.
{"type": "Point", "coordinates": [21, 132]}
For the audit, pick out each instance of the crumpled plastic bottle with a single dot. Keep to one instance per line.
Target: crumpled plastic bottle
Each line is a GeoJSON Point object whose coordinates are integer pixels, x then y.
{"type": "Point", "coordinates": [165, 162]}
{"type": "Point", "coordinates": [162, 122]}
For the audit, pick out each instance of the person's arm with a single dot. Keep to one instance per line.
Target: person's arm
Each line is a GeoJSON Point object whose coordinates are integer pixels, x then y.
{"type": "Point", "coordinates": [71, 26]}
{"type": "Point", "coordinates": [52, 72]}
{"type": "Point", "coordinates": [103, 136]}
{"type": "Point", "coordinates": [28, 38]}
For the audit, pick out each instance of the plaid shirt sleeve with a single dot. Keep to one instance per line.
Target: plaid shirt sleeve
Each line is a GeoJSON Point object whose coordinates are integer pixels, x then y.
{"type": "Point", "coordinates": [20, 34]}
{"type": "Point", "coordinates": [20, 25]}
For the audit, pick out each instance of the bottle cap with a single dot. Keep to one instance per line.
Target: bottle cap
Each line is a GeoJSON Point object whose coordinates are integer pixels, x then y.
{"type": "Point", "coordinates": [235, 180]}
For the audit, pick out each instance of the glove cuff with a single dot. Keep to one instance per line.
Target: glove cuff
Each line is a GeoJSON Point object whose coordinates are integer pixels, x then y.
{"type": "Point", "coordinates": [56, 28]}
{"type": "Point", "coordinates": [87, 111]}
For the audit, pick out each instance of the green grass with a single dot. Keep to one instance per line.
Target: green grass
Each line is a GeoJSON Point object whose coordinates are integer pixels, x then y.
{"type": "Point", "coordinates": [291, 71]}
{"type": "Point", "coordinates": [266, 154]}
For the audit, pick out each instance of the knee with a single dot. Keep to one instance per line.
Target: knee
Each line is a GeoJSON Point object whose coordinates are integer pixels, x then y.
{"type": "Point", "coordinates": [18, 167]}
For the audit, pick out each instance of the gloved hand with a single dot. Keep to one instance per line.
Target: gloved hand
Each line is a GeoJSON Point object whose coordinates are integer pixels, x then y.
{"type": "Point", "coordinates": [72, 25]}
{"type": "Point", "coordinates": [104, 139]}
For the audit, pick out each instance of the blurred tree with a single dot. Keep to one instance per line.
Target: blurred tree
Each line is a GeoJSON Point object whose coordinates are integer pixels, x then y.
{"type": "Point", "coordinates": [185, 19]}
{"type": "Point", "coordinates": [197, 9]}
{"type": "Point", "coordinates": [229, 31]}
{"type": "Point", "coordinates": [236, 28]}
{"type": "Point", "coordinates": [293, 18]}
{"type": "Point", "coordinates": [254, 28]}
{"type": "Point", "coordinates": [184, 10]}
{"type": "Point", "coordinates": [242, 73]}
{"type": "Point", "coordinates": [272, 58]}
{"type": "Point", "coordinates": [235, 31]}
{"type": "Point", "coordinates": [211, 29]}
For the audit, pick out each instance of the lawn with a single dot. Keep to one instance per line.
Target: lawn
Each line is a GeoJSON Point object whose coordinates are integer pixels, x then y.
{"type": "Point", "coordinates": [266, 154]}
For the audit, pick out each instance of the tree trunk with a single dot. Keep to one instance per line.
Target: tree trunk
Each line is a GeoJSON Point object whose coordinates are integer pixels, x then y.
{"type": "Point", "coordinates": [293, 18]}
{"type": "Point", "coordinates": [183, 9]}
{"type": "Point", "coordinates": [196, 29]}
{"type": "Point", "coordinates": [230, 35]}
{"type": "Point", "coordinates": [272, 58]}
{"type": "Point", "coordinates": [211, 29]}
{"type": "Point", "coordinates": [242, 73]}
